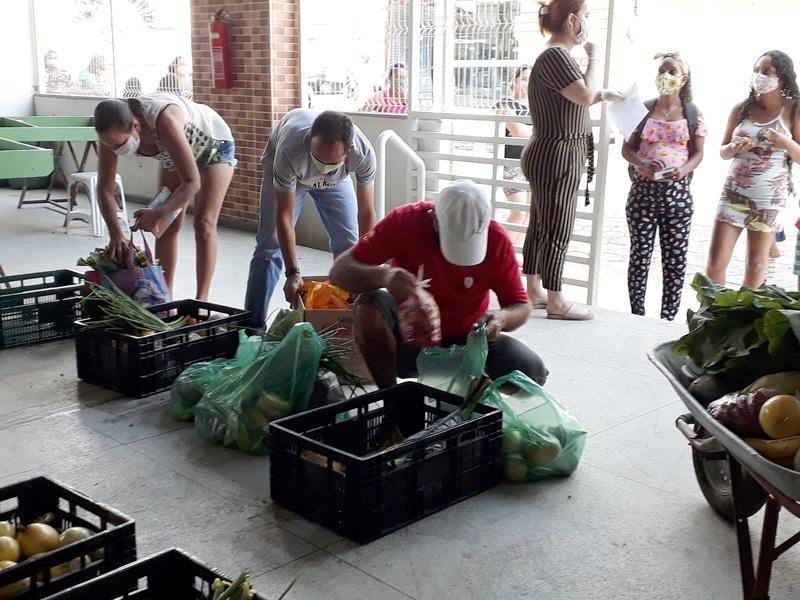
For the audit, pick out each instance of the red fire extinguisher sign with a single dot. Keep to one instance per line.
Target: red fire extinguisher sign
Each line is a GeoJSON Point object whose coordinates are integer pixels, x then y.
{"type": "Point", "coordinates": [218, 37]}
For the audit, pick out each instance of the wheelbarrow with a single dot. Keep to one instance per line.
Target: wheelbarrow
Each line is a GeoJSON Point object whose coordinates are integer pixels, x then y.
{"type": "Point", "coordinates": [735, 480]}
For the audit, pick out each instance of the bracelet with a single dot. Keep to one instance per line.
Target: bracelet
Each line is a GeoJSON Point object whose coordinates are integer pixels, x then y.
{"type": "Point", "coordinates": [292, 271]}
{"type": "Point", "coordinates": [591, 58]}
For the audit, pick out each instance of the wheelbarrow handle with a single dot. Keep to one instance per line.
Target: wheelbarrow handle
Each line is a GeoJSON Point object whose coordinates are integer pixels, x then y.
{"type": "Point", "coordinates": [685, 424]}
{"type": "Point", "coordinates": [706, 445]}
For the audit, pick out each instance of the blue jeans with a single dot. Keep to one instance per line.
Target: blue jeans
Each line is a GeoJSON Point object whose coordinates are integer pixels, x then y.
{"type": "Point", "coordinates": [338, 210]}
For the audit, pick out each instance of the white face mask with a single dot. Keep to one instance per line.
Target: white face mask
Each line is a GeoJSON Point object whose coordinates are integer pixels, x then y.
{"type": "Point", "coordinates": [130, 146]}
{"type": "Point", "coordinates": [583, 35]}
{"type": "Point", "coordinates": [325, 169]}
{"type": "Point", "coordinates": [764, 84]}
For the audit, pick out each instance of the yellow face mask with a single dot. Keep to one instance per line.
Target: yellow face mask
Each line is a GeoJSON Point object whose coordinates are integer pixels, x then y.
{"type": "Point", "coordinates": [326, 169]}
{"type": "Point", "coordinates": [668, 84]}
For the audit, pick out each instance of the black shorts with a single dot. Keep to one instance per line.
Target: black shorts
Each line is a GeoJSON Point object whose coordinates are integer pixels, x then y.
{"type": "Point", "coordinates": [506, 353]}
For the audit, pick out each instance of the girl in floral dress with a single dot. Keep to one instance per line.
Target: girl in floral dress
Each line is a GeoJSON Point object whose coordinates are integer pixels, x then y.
{"type": "Point", "coordinates": [761, 138]}
{"type": "Point", "coordinates": [663, 153]}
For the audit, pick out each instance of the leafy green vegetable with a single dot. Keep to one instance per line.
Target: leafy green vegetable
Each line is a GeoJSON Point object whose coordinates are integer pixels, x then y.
{"type": "Point", "coordinates": [100, 261]}
{"type": "Point", "coordinates": [748, 329]}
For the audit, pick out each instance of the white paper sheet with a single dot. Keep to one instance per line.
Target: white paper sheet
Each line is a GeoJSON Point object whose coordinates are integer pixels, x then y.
{"type": "Point", "coordinates": [628, 111]}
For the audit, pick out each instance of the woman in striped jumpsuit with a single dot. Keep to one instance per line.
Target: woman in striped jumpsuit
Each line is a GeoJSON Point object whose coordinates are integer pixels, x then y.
{"type": "Point", "coordinates": [559, 96]}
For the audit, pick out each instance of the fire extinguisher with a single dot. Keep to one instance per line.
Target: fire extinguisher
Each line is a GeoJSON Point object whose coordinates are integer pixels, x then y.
{"type": "Point", "coordinates": [220, 50]}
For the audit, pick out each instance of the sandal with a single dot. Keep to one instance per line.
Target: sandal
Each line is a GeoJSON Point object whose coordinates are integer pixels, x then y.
{"type": "Point", "coordinates": [573, 313]}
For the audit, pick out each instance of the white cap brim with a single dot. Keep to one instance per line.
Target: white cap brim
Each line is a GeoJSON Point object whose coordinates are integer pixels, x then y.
{"type": "Point", "coordinates": [464, 253]}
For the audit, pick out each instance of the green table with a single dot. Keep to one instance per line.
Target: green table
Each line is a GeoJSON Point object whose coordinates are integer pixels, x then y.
{"type": "Point", "coordinates": [22, 160]}
{"type": "Point", "coordinates": [63, 132]}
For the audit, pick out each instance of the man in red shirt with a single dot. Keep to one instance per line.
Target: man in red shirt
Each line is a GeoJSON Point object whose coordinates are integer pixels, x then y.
{"type": "Point", "coordinates": [465, 255]}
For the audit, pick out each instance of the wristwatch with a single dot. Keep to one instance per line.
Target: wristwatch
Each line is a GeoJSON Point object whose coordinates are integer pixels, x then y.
{"type": "Point", "coordinates": [292, 271]}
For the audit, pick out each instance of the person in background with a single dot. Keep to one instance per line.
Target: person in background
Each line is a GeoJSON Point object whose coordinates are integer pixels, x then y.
{"type": "Point", "coordinates": [92, 80]}
{"type": "Point", "coordinates": [663, 152]}
{"type": "Point", "coordinates": [762, 139]}
{"type": "Point", "coordinates": [559, 96]}
{"type": "Point", "coordinates": [176, 81]}
{"type": "Point", "coordinates": [197, 154]}
{"type": "Point", "coordinates": [57, 79]}
{"type": "Point", "coordinates": [132, 88]}
{"type": "Point", "coordinates": [308, 152]}
{"type": "Point", "coordinates": [465, 254]}
{"type": "Point", "coordinates": [516, 104]}
{"type": "Point", "coordinates": [392, 99]}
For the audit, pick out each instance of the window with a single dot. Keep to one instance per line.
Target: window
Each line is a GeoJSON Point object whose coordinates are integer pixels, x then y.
{"type": "Point", "coordinates": [117, 48]}
{"type": "Point", "coordinates": [354, 54]}
{"type": "Point", "coordinates": [470, 51]}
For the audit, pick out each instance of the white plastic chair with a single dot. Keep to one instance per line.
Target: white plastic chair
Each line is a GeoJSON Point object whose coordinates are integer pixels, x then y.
{"type": "Point", "coordinates": [86, 181]}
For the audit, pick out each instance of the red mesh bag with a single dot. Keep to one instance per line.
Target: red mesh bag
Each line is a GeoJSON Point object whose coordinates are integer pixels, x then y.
{"type": "Point", "coordinates": [419, 320]}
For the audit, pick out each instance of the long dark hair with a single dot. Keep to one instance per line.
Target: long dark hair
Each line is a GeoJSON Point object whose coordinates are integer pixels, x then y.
{"type": "Point", "coordinates": [787, 76]}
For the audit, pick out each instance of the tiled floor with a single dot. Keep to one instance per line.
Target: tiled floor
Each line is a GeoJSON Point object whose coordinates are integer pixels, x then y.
{"type": "Point", "coordinates": [630, 523]}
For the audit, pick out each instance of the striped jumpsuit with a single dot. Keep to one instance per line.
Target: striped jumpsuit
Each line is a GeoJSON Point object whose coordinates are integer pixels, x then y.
{"type": "Point", "coordinates": [553, 162]}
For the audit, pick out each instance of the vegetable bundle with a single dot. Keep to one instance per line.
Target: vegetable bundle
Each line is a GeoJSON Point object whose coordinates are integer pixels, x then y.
{"type": "Point", "coordinates": [99, 260]}
{"type": "Point", "coordinates": [746, 332]}
{"type": "Point", "coordinates": [121, 312]}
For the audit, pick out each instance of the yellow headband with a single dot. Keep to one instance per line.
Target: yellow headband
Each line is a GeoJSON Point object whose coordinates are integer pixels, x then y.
{"type": "Point", "coordinates": [675, 56]}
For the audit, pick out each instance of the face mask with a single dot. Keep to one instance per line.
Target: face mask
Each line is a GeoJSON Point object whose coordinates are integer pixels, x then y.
{"type": "Point", "coordinates": [130, 146]}
{"type": "Point", "coordinates": [326, 169]}
{"type": "Point", "coordinates": [583, 35]}
{"type": "Point", "coordinates": [764, 84]}
{"type": "Point", "coordinates": [668, 84]}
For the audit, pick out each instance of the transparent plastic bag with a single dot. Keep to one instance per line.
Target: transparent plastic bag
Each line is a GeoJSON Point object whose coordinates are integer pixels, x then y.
{"type": "Point", "coordinates": [540, 438]}
{"type": "Point", "coordinates": [278, 383]}
{"type": "Point", "coordinates": [450, 368]}
{"type": "Point", "coordinates": [198, 378]}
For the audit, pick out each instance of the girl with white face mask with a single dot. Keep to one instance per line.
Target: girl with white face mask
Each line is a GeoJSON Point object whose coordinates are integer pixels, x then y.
{"type": "Point", "coordinates": [761, 138]}
{"type": "Point", "coordinates": [196, 150]}
{"type": "Point", "coordinates": [663, 152]}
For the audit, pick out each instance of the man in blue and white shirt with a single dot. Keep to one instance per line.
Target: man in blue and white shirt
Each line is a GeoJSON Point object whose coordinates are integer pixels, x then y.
{"type": "Point", "coordinates": [308, 152]}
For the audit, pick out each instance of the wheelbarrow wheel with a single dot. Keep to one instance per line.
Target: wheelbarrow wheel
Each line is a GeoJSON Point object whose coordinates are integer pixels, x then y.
{"type": "Point", "coordinates": [714, 479]}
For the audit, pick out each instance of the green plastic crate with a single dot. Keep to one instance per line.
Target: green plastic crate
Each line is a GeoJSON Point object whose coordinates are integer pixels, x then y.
{"type": "Point", "coordinates": [39, 307]}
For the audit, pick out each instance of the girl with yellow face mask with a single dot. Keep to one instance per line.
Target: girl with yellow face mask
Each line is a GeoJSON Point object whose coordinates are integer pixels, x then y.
{"type": "Point", "coordinates": [663, 152]}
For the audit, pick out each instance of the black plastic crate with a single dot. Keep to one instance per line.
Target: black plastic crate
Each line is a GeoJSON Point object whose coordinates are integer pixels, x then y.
{"type": "Point", "coordinates": [37, 307]}
{"type": "Point", "coordinates": [140, 366]}
{"type": "Point", "coordinates": [320, 468]}
{"type": "Point", "coordinates": [171, 574]}
{"type": "Point", "coordinates": [115, 535]}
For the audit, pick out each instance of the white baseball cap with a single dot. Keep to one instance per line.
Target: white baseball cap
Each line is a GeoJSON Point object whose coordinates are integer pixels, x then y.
{"type": "Point", "coordinates": [463, 214]}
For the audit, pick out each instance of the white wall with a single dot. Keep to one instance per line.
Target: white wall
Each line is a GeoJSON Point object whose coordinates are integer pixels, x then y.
{"type": "Point", "coordinates": [17, 49]}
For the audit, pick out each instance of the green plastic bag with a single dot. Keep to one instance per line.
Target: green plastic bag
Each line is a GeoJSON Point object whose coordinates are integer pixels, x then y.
{"type": "Point", "coordinates": [540, 438]}
{"type": "Point", "coordinates": [198, 378]}
{"type": "Point", "coordinates": [278, 383]}
{"type": "Point", "coordinates": [450, 368]}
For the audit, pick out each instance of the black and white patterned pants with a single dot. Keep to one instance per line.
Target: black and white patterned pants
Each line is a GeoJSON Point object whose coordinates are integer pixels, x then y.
{"type": "Point", "coordinates": [665, 206]}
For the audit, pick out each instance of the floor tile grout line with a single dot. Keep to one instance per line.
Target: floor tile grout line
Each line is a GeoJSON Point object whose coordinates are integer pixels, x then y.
{"type": "Point", "coordinates": [370, 575]}
{"type": "Point", "coordinates": [626, 421]}
{"type": "Point", "coordinates": [636, 481]}
{"type": "Point", "coordinates": [288, 562]}
{"type": "Point", "coordinates": [340, 559]}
